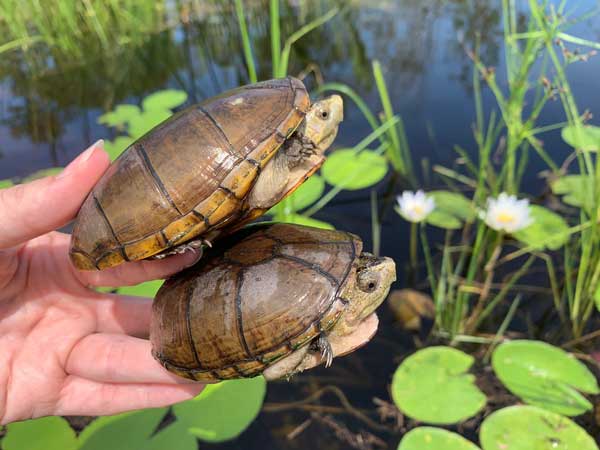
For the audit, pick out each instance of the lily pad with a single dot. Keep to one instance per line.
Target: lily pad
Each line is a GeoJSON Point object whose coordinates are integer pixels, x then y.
{"type": "Point", "coordinates": [222, 411]}
{"type": "Point", "coordinates": [164, 100]}
{"type": "Point", "coordinates": [122, 431]}
{"type": "Point", "coordinates": [116, 147]}
{"type": "Point", "coordinates": [433, 386]}
{"type": "Point", "coordinates": [146, 289]}
{"type": "Point", "coordinates": [120, 116]}
{"type": "Point", "coordinates": [588, 138]}
{"type": "Point", "coordinates": [144, 122]}
{"type": "Point", "coordinates": [47, 433]}
{"type": "Point", "coordinates": [574, 189]}
{"type": "Point", "coordinates": [443, 219]}
{"type": "Point", "coordinates": [347, 169]}
{"type": "Point", "coordinates": [455, 204]}
{"type": "Point", "coordinates": [430, 438]}
{"type": "Point", "coordinates": [548, 230]}
{"type": "Point", "coordinates": [6, 183]}
{"type": "Point", "coordinates": [531, 428]}
{"type": "Point", "coordinates": [304, 220]}
{"type": "Point", "coordinates": [546, 376]}
{"type": "Point", "coordinates": [309, 192]}
{"type": "Point", "coordinates": [175, 436]}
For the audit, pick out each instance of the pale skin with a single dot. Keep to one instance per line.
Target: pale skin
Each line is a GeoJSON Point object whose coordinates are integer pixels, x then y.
{"type": "Point", "coordinates": [66, 349]}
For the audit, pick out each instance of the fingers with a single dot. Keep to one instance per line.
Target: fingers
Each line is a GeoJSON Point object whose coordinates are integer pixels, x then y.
{"type": "Point", "coordinates": [131, 273]}
{"type": "Point", "coordinates": [32, 209]}
{"type": "Point", "coordinates": [81, 396]}
{"type": "Point", "coordinates": [114, 358]}
{"type": "Point", "coordinates": [121, 314]}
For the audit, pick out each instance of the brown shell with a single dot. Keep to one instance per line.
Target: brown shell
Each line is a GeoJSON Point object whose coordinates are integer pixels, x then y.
{"type": "Point", "coordinates": [270, 290]}
{"type": "Point", "coordinates": [187, 176]}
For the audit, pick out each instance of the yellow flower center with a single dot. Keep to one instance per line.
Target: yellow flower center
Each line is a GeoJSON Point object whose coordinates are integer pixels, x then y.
{"type": "Point", "coordinates": [418, 209]}
{"type": "Point", "coordinates": [505, 217]}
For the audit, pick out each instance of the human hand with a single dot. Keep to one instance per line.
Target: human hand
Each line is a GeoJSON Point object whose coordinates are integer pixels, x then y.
{"type": "Point", "coordinates": [65, 348]}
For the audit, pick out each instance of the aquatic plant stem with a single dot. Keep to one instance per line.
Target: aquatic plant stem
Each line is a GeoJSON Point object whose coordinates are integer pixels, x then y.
{"type": "Point", "coordinates": [489, 268]}
{"type": "Point", "coordinates": [239, 9]}
{"type": "Point", "coordinates": [275, 35]}
{"type": "Point", "coordinates": [413, 247]}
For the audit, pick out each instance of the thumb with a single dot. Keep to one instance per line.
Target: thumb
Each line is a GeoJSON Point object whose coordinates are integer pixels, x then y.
{"type": "Point", "coordinates": [32, 209]}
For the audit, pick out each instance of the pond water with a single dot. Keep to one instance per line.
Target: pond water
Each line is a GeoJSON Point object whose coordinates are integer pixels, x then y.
{"type": "Point", "coordinates": [49, 109]}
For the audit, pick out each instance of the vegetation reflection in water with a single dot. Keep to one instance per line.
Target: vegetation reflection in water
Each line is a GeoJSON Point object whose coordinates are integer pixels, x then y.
{"type": "Point", "coordinates": [495, 232]}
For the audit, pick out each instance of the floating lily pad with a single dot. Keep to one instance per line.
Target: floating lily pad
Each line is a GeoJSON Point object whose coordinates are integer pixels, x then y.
{"type": "Point", "coordinates": [574, 189]}
{"type": "Point", "coordinates": [309, 192]}
{"type": "Point", "coordinates": [6, 183]}
{"type": "Point", "coordinates": [442, 219]}
{"type": "Point", "coordinates": [146, 289]}
{"type": "Point", "coordinates": [430, 438]}
{"type": "Point", "coordinates": [587, 139]}
{"type": "Point", "coordinates": [546, 376]}
{"type": "Point", "coordinates": [164, 100]}
{"type": "Point", "coordinates": [116, 147]}
{"type": "Point", "coordinates": [304, 220]}
{"type": "Point", "coordinates": [175, 436]}
{"type": "Point", "coordinates": [351, 171]}
{"type": "Point", "coordinates": [47, 433]}
{"type": "Point", "coordinates": [144, 122]}
{"type": "Point", "coordinates": [120, 116]}
{"type": "Point", "coordinates": [548, 230]}
{"type": "Point", "coordinates": [531, 428]}
{"type": "Point", "coordinates": [222, 411]}
{"type": "Point", "coordinates": [121, 432]}
{"type": "Point", "coordinates": [433, 386]}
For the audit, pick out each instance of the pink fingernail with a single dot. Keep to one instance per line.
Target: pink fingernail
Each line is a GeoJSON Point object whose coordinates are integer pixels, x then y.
{"type": "Point", "coordinates": [82, 158]}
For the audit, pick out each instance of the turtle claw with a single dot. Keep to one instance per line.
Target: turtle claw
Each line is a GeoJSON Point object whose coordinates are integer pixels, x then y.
{"type": "Point", "coordinates": [191, 245]}
{"type": "Point", "coordinates": [324, 347]}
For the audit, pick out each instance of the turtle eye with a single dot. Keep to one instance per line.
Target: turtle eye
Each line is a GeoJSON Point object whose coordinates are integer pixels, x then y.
{"type": "Point", "coordinates": [324, 114]}
{"type": "Point", "coordinates": [368, 281]}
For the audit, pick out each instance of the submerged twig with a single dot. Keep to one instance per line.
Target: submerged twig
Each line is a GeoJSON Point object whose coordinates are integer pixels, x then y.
{"type": "Point", "coordinates": [305, 405]}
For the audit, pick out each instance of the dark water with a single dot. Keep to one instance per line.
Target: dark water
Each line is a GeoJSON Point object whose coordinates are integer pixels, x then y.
{"type": "Point", "coordinates": [48, 113]}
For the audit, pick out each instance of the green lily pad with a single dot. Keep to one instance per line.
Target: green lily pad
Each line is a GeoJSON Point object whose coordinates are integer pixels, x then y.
{"type": "Point", "coordinates": [455, 204]}
{"type": "Point", "coordinates": [6, 183]}
{"type": "Point", "coordinates": [432, 386]}
{"type": "Point", "coordinates": [309, 192]}
{"type": "Point", "coordinates": [120, 116]}
{"type": "Point", "coordinates": [164, 100]}
{"type": "Point", "coordinates": [430, 438]}
{"type": "Point", "coordinates": [573, 188]}
{"type": "Point", "coordinates": [588, 138]}
{"type": "Point", "coordinates": [548, 230]}
{"type": "Point", "coordinates": [222, 411]}
{"type": "Point", "coordinates": [144, 122]}
{"type": "Point", "coordinates": [347, 169]}
{"type": "Point", "coordinates": [47, 433]}
{"type": "Point", "coordinates": [116, 147]}
{"type": "Point", "coordinates": [304, 220]}
{"type": "Point", "coordinates": [175, 436]}
{"type": "Point", "coordinates": [442, 219]}
{"type": "Point", "coordinates": [531, 428]}
{"type": "Point", "coordinates": [546, 376]}
{"type": "Point", "coordinates": [121, 432]}
{"type": "Point", "coordinates": [146, 289]}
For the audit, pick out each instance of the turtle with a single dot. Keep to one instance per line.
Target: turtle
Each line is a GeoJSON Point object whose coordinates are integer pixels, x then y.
{"type": "Point", "coordinates": [205, 171]}
{"type": "Point", "coordinates": [272, 299]}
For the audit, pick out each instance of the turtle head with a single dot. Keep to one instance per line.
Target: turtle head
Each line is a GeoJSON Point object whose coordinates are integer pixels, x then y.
{"type": "Point", "coordinates": [322, 120]}
{"type": "Point", "coordinates": [368, 288]}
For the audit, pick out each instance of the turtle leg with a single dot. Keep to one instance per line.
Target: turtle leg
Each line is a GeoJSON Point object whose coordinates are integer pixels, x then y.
{"type": "Point", "coordinates": [195, 244]}
{"type": "Point", "coordinates": [288, 366]}
{"type": "Point", "coordinates": [298, 149]}
{"type": "Point", "coordinates": [322, 345]}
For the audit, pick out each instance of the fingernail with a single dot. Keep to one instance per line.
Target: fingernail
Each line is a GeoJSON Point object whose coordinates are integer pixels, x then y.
{"type": "Point", "coordinates": [81, 159]}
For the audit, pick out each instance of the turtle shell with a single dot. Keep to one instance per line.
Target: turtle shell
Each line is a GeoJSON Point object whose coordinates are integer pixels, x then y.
{"type": "Point", "coordinates": [268, 291]}
{"type": "Point", "coordinates": [187, 176]}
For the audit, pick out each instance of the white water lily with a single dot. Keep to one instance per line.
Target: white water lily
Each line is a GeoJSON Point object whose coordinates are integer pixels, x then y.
{"type": "Point", "coordinates": [507, 213]}
{"type": "Point", "coordinates": [415, 206]}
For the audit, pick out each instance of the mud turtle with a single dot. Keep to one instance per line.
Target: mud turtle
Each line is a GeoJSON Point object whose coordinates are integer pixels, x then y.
{"type": "Point", "coordinates": [208, 168]}
{"type": "Point", "coordinates": [273, 299]}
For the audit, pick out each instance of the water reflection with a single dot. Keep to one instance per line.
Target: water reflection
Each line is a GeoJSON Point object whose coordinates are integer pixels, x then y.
{"type": "Point", "coordinates": [202, 54]}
